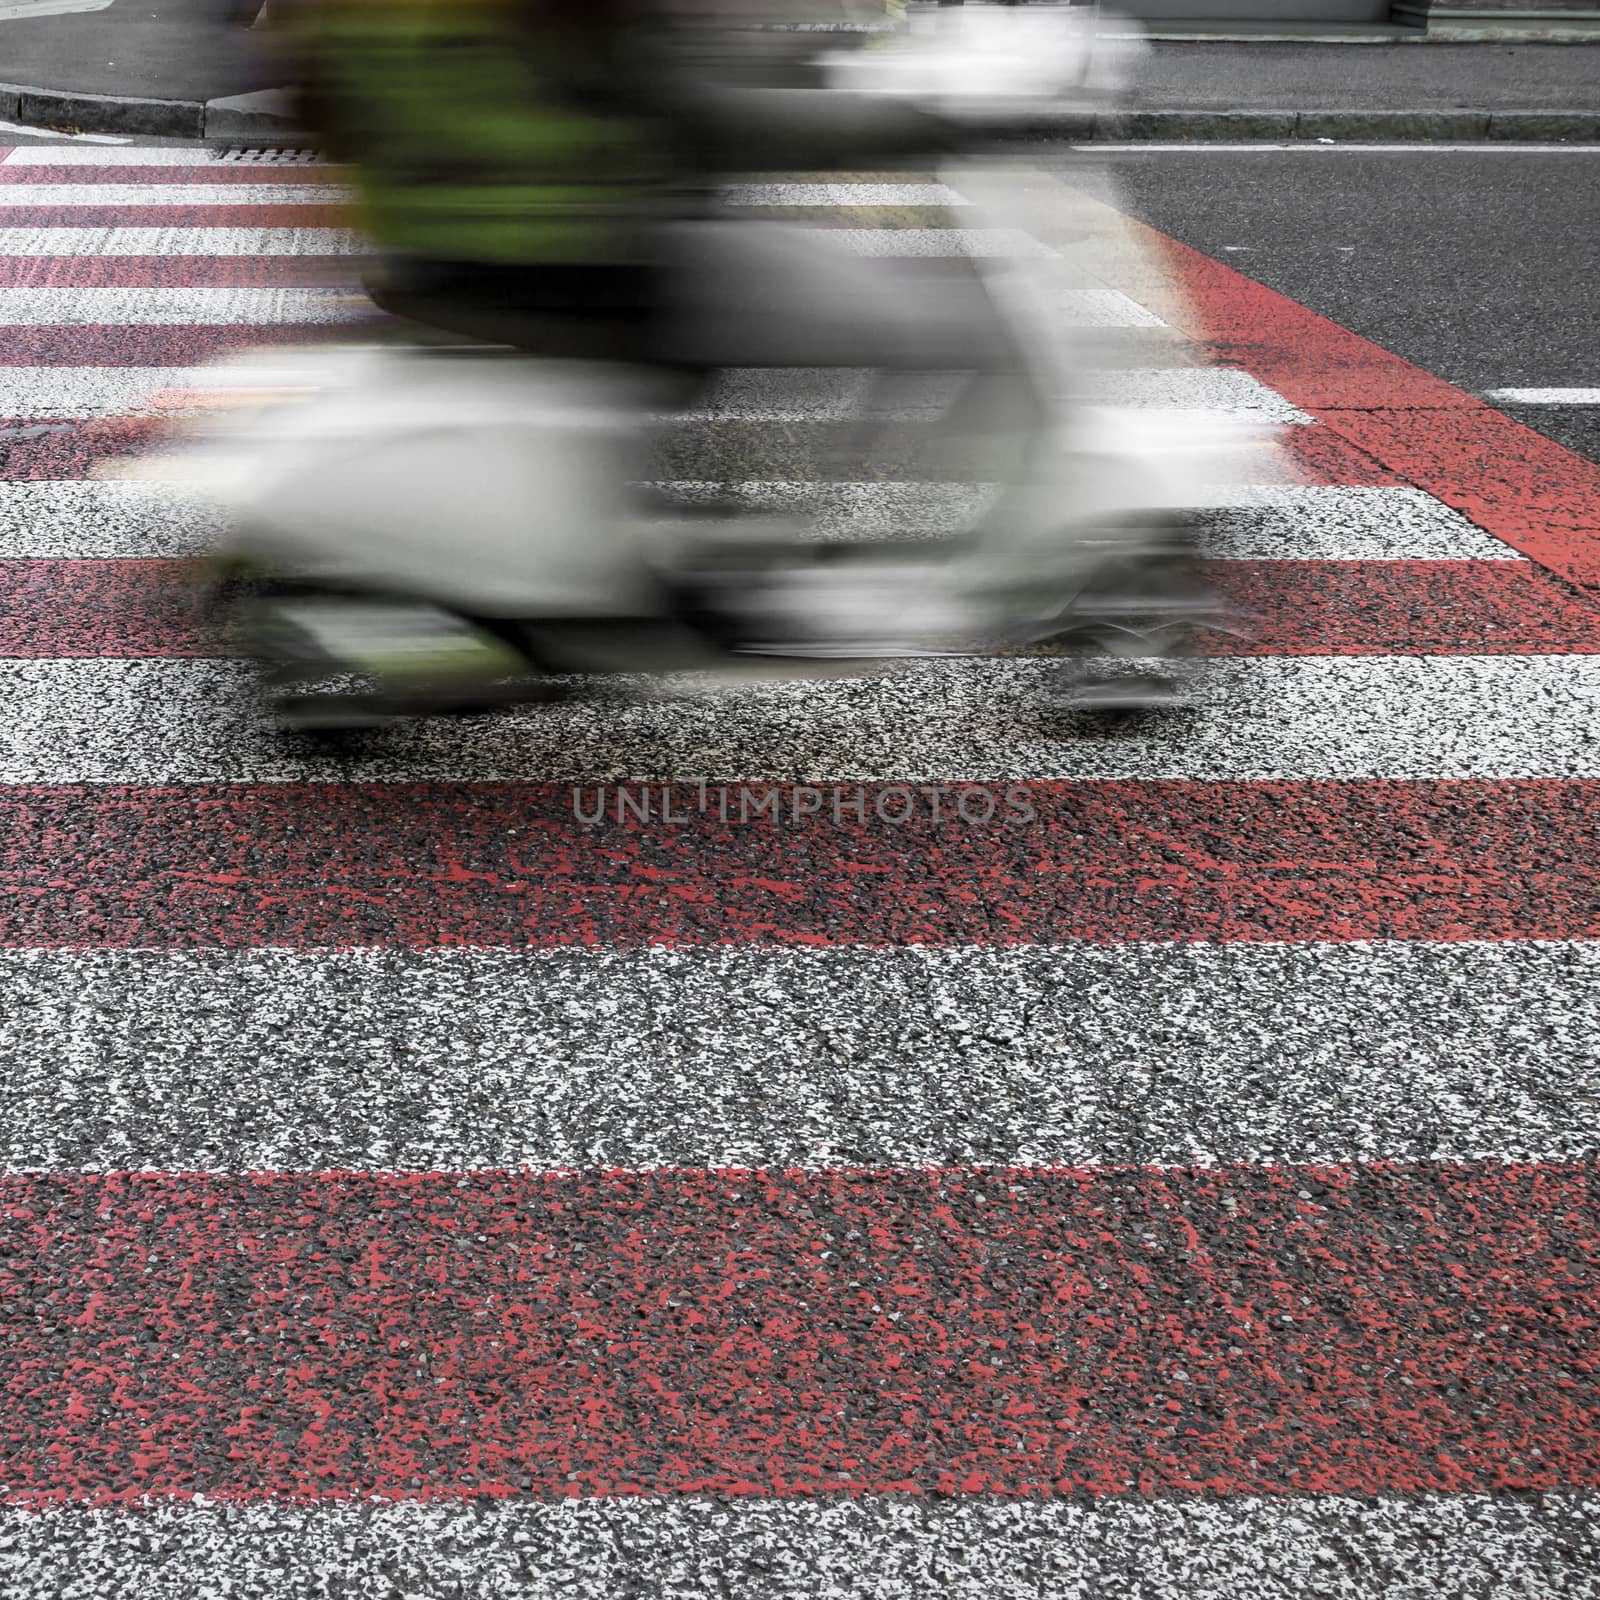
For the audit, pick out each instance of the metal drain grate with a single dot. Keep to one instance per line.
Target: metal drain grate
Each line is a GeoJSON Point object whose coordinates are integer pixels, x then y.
{"type": "Point", "coordinates": [277, 154]}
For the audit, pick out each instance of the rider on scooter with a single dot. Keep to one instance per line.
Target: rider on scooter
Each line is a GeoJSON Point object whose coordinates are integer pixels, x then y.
{"type": "Point", "coordinates": [512, 157]}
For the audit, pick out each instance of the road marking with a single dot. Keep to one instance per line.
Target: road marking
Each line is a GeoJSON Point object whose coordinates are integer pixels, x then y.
{"type": "Point", "coordinates": [1187, 1547]}
{"type": "Point", "coordinates": [473, 1338]}
{"type": "Point", "coordinates": [938, 242]}
{"type": "Point", "coordinates": [1345, 524]}
{"type": "Point", "coordinates": [1103, 308]}
{"type": "Point", "coordinates": [1447, 717]}
{"type": "Point", "coordinates": [1244, 521]}
{"type": "Point", "coordinates": [753, 394]}
{"type": "Point", "coordinates": [1504, 476]}
{"type": "Point", "coordinates": [1068, 1054]}
{"type": "Point", "coordinates": [841, 194]}
{"type": "Point", "coordinates": [342, 861]}
{"type": "Point", "coordinates": [1197, 390]}
{"type": "Point", "coordinates": [1545, 397]}
{"type": "Point", "coordinates": [1303, 146]}
{"type": "Point", "coordinates": [159, 242]}
{"type": "Point", "coordinates": [107, 310]}
{"type": "Point", "coordinates": [1284, 607]}
{"type": "Point", "coordinates": [1153, 1053]}
{"type": "Point", "coordinates": [300, 241]}
{"type": "Point", "coordinates": [79, 518]}
{"type": "Point", "coordinates": [114, 309]}
{"type": "Point", "coordinates": [221, 196]}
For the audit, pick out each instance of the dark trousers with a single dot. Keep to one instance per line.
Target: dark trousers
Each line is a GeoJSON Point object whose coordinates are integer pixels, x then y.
{"type": "Point", "coordinates": [602, 311]}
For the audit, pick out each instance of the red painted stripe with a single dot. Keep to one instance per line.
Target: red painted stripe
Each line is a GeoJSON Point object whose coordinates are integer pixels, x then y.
{"type": "Point", "coordinates": [1403, 608]}
{"type": "Point", "coordinates": [223, 173]}
{"type": "Point", "coordinates": [195, 216]}
{"type": "Point", "coordinates": [117, 609]}
{"type": "Point", "coordinates": [1320, 456]}
{"type": "Point", "coordinates": [490, 865]}
{"type": "Point", "coordinates": [172, 345]}
{"type": "Point", "coordinates": [176, 272]}
{"type": "Point", "coordinates": [34, 448]}
{"type": "Point", "coordinates": [1540, 498]}
{"type": "Point", "coordinates": [1319, 1330]}
{"type": "Point", "coordinates": [132, 608]}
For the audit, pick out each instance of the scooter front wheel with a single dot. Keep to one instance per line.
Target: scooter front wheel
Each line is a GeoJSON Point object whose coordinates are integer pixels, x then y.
{"type": "Point", "coordinates": [333, 663]}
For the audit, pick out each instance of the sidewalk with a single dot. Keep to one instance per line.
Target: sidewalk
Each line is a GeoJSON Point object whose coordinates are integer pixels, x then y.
{"type": "Point", "coordinates": [183, 69]}
{"type": "Point", "coordinates": [1219, 90]}
{"type": "Point", "coordinates": [151, 67]}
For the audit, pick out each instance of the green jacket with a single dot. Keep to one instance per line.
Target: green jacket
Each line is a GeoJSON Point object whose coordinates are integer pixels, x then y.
{"type": "Point", "coordinates": [487, 130]}
{"type": "Point", "coordinates": [551, 131]}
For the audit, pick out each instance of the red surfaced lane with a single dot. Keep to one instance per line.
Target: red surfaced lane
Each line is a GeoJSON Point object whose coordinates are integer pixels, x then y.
{"type": "Point", "coordinates": [192, 216]}
{"type": "Point", "coordinates": [1402, 608]}
{"type": "Point", "coordinates": [127, 608]}
{"type": "Point", "coordinates": [511, 865]}
{"type": "Point", "coordinates": [1256, 1330]}
{"type": "Point", "coordinates": [176, 272]}
{"type": "Point", "coordinates": [134, 608]}
{"type": "Point", "coordinates": [1522, 487]}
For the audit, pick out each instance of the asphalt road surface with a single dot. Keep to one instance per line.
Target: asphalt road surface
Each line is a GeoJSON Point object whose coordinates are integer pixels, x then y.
{"type": "Point", "coordinates": [1480, 265]}
{"type": "Point", "coordinates": [1178, 1182]}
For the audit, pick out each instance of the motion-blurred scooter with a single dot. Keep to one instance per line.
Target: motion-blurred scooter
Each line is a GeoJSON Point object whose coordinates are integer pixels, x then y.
{"type": "Point", "coordinates": [421, 531]}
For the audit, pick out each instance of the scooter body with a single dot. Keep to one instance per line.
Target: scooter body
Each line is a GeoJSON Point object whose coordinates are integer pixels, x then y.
{"type": "Point", "coordinates": [448, 529]}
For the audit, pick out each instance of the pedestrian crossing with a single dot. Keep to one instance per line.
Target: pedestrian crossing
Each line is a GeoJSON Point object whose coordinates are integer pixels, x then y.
{"type": "Point", "coordinates": [416, 1177]}
{"type": "Point", "coordinates": [1308, 718]}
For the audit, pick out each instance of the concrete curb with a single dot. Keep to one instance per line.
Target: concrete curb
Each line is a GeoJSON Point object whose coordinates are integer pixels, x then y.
{"type": "Point", "coordinates": [102, 113]}
{"type": "Point", "coordinates": [1283, 127]}
{"type": "Point", "coordinates": [265, 114]}
{"type": "Point", "coordinates": [246, 116]}
{"type": "Point", "coordinates": [260, 117]}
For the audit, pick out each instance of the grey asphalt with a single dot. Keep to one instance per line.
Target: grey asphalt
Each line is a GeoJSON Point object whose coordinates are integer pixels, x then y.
{"type": "Point", "coordinates": [155, 49]}
{"type": "Point", "coordinates": [1071, 1053]}
{"type": "Point", "coordinates": [1374, 77]}
{"type": "Point", "coordinates": [1479, 265]}
{"type": "Point", "coordinates": [195, 50]}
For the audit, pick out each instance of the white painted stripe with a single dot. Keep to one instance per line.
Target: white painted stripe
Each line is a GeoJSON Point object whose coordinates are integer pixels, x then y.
{"type": "Point", "coordinates": [1199, 389]}
{"type": "Point", "coordinates": [1311, 146]}
{"type": "Point", "coordinates": [44, 392]}
{"type": "Point", "coordinates": [211, 195]}
{"type": "Point", "coordinates": [934, 241]}
{"type": "Point", "coordinates": [1545, 397]}
{"type": "Point", "coordinates": [172, 307]}
{"type": "Point", "coordinates": [846, 510]}
{"type": "Point", "coordinates": [792, 394]}
{"type": "Point", "coordinates": [1428, 1547]}
{"type": "Point", "coordinates": [1343, 524]}
{"type": "Point", "coordinates": [946, 721]}
{"type": "Point", "coordinates": [841, 194]}
{"type": "Point", "coordinates": [144, 155]}
{"type": "Point", "coordinates": [223, 241]}
{"type": "Point", "coordinates": [1079, 1054]}
{"type": "Point", "coordinates": [753, 394]}
{"type": "Point", "coordinates": [1104, 308]}
{"type": "Point", "coordinates": [180, 242]}
{"type": "Point", "coordinates": [84, 518]}
{"type": "Point", "coordinates": [1243, 522]}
